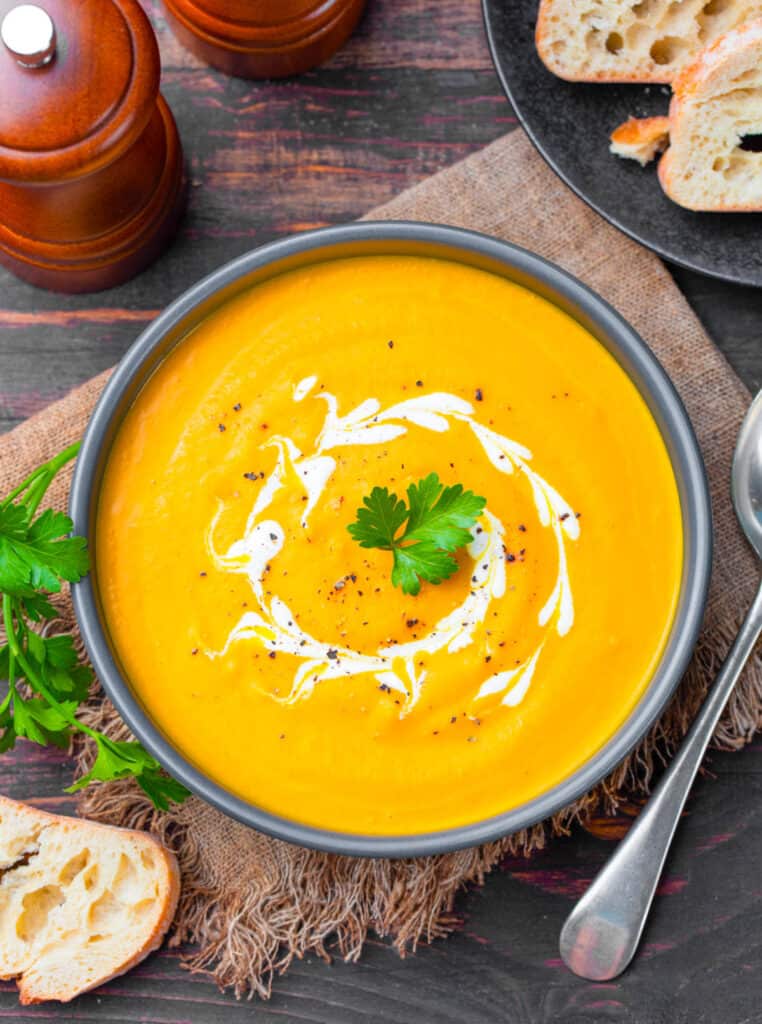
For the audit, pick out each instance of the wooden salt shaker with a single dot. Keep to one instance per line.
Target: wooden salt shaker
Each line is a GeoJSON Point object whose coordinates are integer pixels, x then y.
{"type": "Point", "coordinates": [263, 38]}
{"type": "Point", "coordinates": [91, 169]}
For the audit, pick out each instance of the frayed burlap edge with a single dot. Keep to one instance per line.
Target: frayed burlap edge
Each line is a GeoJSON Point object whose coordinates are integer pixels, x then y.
{"type": "Point", "coordinates": [326, 905]}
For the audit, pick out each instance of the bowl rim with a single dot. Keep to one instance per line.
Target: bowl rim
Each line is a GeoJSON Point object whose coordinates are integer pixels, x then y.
{"type": "Point", "coordinates": [653, 384]}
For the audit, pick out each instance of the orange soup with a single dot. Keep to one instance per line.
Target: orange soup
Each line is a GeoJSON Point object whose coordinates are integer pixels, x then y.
{"type": "Point", "coordinates": [276, 654]}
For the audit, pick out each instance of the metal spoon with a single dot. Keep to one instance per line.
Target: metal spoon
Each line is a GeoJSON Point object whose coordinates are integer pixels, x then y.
{"type": "Point", "coordinates": [601, 934]}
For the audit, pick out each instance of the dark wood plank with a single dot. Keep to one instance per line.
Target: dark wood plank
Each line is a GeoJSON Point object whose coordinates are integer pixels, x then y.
{"type": "Point", "coordinates": [264, 160]}
{"type": "Point", "coordinates": [412, 92]}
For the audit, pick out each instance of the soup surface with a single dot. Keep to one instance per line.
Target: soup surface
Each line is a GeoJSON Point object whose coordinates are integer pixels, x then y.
{"type": "Point", "coordinates": [276, 653]}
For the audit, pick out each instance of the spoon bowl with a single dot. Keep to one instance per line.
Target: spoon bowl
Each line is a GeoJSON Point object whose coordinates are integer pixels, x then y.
{"type": "Point", "coordinates": [747, 476]}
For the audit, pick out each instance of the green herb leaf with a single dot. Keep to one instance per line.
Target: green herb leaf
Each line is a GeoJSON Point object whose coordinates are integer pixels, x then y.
{"type": "Point", "coordinates": [36, 557]}
{"type": "Point", "coordinates": [37, 607]}
{"type": "Point", "coordinates": [443, 515]}
{"type": "Point", "coordinates": [41, 556]}
{"type": "Point", "coordinates": [8, 734]}
{"type": "Point", "coordinates": [53, 661]}
{"type": "Point", "coordinates": [42, 723]}
{"type": "Point", "coordinates": [437, 522]}
{"type": "Point", "coordinates": [59, 651]}
{"type": "Point", "coordinates": [162, 789]}
{"type": "Point", "coordinates": [121, 759]}
{"type": "Point", "coordinates": [421, 561]}
{"type": "Point", "coordinates": [13, 521]}
{"type": "Point", "coordinates": [379, 519]}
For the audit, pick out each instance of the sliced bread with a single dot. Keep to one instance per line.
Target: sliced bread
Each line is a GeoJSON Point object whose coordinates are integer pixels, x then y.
{"type": "Point", "coordinates": [79, 902]}
{"type": "Point", "coordinates": [715, 113]}
{"type": "Point", "coordinates": [626, 41]}
{"type": "Point", "coordinates": [641, 138]}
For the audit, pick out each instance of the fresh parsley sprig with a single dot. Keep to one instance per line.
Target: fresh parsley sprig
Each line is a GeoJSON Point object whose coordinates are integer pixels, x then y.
{"type": "Point", "coordinates": [437, 520]}
{"type": "Point", "coordinates": [37, 555]}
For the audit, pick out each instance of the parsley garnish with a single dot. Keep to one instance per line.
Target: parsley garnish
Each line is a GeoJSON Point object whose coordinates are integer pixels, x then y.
{"type": "Point", "coordinates": [437, 521]}
{"type": "Point", "coordinates": [37, 555]}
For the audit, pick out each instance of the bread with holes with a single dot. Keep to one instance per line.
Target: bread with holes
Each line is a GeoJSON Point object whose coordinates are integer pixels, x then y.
{"type": "Point", "coordinates": [717, 103]}
{"type": "Point", "coordinates": [641, 139]}
{"type": "Point", "coordinates": [641, 41]}
{"type": "Point", "coordinates": [79, 903]}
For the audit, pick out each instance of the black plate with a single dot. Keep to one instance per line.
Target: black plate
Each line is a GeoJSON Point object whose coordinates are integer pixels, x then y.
{"type": "Point", "coordinates": [570, 124]}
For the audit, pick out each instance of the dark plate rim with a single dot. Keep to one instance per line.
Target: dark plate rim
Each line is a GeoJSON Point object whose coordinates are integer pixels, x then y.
{"type": "Point", "coordinates": [621, 340]}
{"type": "Point", "coordinates": [488, 12]}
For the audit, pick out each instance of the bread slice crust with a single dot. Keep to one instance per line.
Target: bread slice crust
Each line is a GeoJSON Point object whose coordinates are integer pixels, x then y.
{"type": "Point", "coordinates": [80, 903]}
{"type": "Point", "coordinates": [641, 138]}
{"type": "Point", "coordinates": [717, 100]}
{"type": "Point", "coordinates": [648, 41]}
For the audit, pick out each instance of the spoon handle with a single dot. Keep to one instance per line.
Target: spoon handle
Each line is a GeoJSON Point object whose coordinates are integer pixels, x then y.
{"type": "Point", "coordinates": [600, 936]}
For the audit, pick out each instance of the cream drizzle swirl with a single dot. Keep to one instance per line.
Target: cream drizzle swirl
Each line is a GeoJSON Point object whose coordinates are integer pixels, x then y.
{"type": "Point", "coordinates": [394, 665]}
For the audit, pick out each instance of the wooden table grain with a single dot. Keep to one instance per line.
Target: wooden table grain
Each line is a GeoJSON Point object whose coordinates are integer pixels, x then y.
{"type": "Point", "coordinates": [412, 92]}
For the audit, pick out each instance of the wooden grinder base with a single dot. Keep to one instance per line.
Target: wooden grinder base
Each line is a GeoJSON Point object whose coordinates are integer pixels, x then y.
{"type": "Point", "coordinates": [263, 38]}
{"type": "Point", "coordinates": [91, 165]}
{"type": "Point", "coordinates": [122, 250]}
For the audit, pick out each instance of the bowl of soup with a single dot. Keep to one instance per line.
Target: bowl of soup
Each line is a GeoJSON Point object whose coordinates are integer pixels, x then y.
{"type": "Point", "coordinates": [273, 664]}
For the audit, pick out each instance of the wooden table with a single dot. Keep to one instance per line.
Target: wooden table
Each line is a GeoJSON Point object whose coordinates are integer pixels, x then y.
{"type": "Point", "coordinates": [413, 92]}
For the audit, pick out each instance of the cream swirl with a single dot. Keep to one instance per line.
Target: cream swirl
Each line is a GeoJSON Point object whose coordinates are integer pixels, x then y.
{"type": "Point", "coordinates": [396, 665]}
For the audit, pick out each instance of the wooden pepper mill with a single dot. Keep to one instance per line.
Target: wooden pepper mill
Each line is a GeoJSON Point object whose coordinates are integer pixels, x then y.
{"type": "Point", "coordinates": [91, 168]}
{"type": "Point", "coordinates": [263, 38]}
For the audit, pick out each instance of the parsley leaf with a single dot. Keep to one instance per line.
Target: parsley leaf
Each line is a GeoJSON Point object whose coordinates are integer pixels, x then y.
{"type": "Point", "coordinates": [379, 519]}
{"type": "Point", "coordinates": [437, 521]}
{"type": "Point", "coordinates": [161, 788]}
{"type": "Point", "coordinates": [38, 607]}
{"type": "Point", "coordinates": [421, 561]}
{"type": "Point", "coordinates": [43, 723]}
{"type": "Point", "coordinates": [37, 556]}
{"type": "Point", "coordinates": [443, 515]}
{"type": "Point", "coordinates": [41, 556]}
{"type": "Point", "coordinates": [119, 759]}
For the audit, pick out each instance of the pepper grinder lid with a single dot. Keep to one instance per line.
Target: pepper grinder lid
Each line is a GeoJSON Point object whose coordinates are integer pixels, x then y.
{"type": "Point", "coordinates": [29, 34]}
{"type": "Point", "coordinates": [78, 82]}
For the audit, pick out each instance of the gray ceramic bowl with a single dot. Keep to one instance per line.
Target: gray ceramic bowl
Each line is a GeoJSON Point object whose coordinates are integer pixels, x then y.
{"type": "Point", "coordinates": [475, 250]}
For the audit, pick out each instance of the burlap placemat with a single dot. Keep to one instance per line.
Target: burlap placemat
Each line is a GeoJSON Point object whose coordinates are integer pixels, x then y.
{"type": "Point", "coordinates": [250, 903]}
